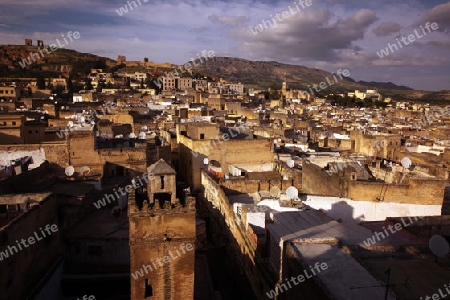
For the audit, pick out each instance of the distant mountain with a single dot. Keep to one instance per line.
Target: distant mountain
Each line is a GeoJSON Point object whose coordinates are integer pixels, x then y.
{"type": "Point", "coordinates": [384, 85]}
{"type": "Point", "coordinates": [265, 73]}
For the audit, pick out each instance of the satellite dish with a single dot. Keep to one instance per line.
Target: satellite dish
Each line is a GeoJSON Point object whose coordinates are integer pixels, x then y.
{"type": "Point", "coordinates": [144, 128]}
{"type": "Point", "coordinates": [82, 119]}
{"type": "Point", "coordinates": [205, 161]}
{"type": "Point", "coordinates": [69, 171]}
{"type": "Point", "coordinates": [132, 136]}
{"type": "Point", "coordinates": [275, 192]}
{"type": "Point", "coordinates": [85, 170]}
{"type": "Point", "coordinates": [406, 162]}
{"type": "Point", "coordinates": [142, 135]}
{"type": "Point", "coordinates": [292, 192]}
{"type": "Point", "coordinates": [439, 246]}
{"type": "Point", "coordinates": [290, 163]}
{"type": "Point", "coordinates": [70, 124]}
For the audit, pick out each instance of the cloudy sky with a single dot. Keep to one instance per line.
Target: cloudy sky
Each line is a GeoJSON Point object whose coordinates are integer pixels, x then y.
{"type": "Point", "coordinates": [329, 34]}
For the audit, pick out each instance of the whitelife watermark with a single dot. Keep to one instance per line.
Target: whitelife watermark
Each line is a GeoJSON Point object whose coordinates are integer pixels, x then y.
{"type": "Point", "coordinates": [439, 296]}
{"type": "Point", "coordinates": [327, 83]}
{"type": "Point", "coordinates": [164, 260]}
{"type": "Point", "coordinates": [280, 288]}
{"type": "Point", "coordinates": [49, 229]}
{"type": "Point", "coordinates": [411, 38]}
{"type": "Point", "coordinates": [266, 24]}
{"type": "Point", "coordinates": [34, 56]}
{"type": "Point", "coordinates": [393, 229]}
{"type": "Point", "coordinates": [124, 9]}
{"type": "Point", "coordinates": [134, 185]}
{"type": "Point", "coordinates": [186, 67]}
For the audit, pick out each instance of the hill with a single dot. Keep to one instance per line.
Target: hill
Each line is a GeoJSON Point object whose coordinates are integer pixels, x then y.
{"type": "Point", "coordinates": [61, 61]}
{"type": "Point", "coordinates": [265, 73]}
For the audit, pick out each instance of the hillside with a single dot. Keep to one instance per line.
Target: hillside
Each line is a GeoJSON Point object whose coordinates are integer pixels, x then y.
{"type": "Point", "coordinates": [265, 73]}
{"type": "Point", "coordinates": [61, 61]}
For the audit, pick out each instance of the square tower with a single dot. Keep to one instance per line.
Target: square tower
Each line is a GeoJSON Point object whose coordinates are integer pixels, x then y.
{"type": "Point", "coordinates": [162, 238]}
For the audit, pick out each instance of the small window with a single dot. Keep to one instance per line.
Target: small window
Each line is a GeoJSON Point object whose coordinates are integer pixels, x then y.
{"type": "Point", "coordinates": [162, 182]}
{"type": "Point", "coordinates": [30, 131]}
{"type": "Point", "coordinates": [202, 136]}
{"type": "Point", "coordinates": [36, 131]}
{"type": "Point", "coordinates": [148, 290]}
{"type": "Point", "coordinates": [14, 123]}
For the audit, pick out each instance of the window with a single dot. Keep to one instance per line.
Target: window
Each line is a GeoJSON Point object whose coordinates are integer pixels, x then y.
{"type": "Point", "coordinates": [202, 136]}
{"type": "Point", "coordinates": [162, 182]}
{"type": "Point", "coordinates": [14, 123]}
{"type": "Point", "coordinates": [1, 91]}
{"type": "Point", "coordinates": [148, 290]}
{"type": "Point", "coordinates": [30, 131]}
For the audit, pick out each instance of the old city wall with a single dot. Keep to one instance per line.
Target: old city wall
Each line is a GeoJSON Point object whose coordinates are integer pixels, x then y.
{"type": "Point", "coordinates": [216, 205]}
{"type": "Point", "coordinates": [24, 269]}
{"type": "Point", "coordinates": [418, 191]}
{"type": "Point", "coordinates": [315, 181]}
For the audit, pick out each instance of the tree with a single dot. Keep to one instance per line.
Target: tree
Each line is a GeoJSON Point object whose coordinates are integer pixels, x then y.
{"type": "Point", "coordinates": [40, 82]}
{"type": "Point", "coordinates": [88, 85]}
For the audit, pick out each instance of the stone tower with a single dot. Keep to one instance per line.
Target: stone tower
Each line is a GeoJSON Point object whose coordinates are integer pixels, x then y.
{"type": "Point", "coordinates": [121, 59]}
{"type": "Point", "coordinates": [162, 238]}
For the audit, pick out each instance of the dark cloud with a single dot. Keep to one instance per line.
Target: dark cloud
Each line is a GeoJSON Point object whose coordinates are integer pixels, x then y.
{"type": "Point", "coordinates": [315, 35]}
{"type": "Point", "coordinates": [386, 28]}
{"type": "Point", "coordinates": [441, 15]}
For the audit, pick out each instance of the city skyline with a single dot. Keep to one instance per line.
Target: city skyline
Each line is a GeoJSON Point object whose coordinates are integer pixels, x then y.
{"type": "Point", "coordinates": [328, 34]}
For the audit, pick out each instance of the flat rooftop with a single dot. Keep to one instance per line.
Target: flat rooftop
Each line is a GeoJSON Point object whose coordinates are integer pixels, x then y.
{"type": "Point", "coordinates": [343, 274]}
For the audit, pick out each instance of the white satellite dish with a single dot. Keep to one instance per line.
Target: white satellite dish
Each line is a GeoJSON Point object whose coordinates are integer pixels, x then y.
{"type": "Point", "coordinates": [82, 119]}
{"type": "Point", "coordinates": [275, 192]}
{"type": "Point", "coordinates": [142, 135]}
{"type": "Point", "coordinates": [205, 161]}
{"type": "Point", "coordinates": [292, 192]}
{"type": "Point", "coordinates": [439, 245]}
{"type": "Point", "coordinates": [85, 170]}
{"type": "Point", "coordinates": [70, 124]}
{"type": "Point", "coordinates": [406, 162]}
{"type": "Point", "coordinates": [144, 128]}
{"type": "Point", "coordinates": [290, 163]}
{"type": "Point", "coordinates": [69, 171]}
{"type": "Point", "coordinates": [132, 136]}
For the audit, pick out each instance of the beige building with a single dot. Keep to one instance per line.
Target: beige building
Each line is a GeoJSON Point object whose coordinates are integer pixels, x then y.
{"type": "Point", "coordinates": [168, 83]}
{"type": "Point", "coordinates": [184, 83]}
{"type": "Point", "coordinates": [9, 92]}
{"type": "Point", "coordinates": [12, 129]}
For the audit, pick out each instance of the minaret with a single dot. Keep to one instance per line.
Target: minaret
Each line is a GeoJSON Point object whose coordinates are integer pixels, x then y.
{"type": "Point", "coordinates": [162, 238]}
{"type": "Point", "coordinates": [284, 87]}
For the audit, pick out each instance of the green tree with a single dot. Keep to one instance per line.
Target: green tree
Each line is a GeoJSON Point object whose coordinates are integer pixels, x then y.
{"type": "Point", "coordinates": [40, 82]}
{"type": "Point", "coordinates": [88, 85]}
